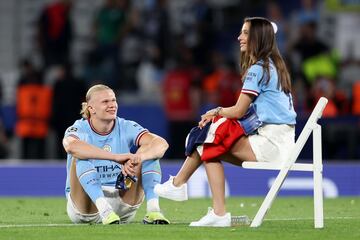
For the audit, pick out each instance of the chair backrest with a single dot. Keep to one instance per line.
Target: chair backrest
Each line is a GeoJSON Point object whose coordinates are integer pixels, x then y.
{"type": "Point", "coordinates": [310, 125]}
{"type": "Point", "coordinates": [316, 113]}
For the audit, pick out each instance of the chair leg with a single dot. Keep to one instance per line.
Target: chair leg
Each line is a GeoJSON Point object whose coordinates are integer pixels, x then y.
{"type": "Point", "coordinates": [270, 197]}
{"type": "Point", "coordinates": [318, 189]}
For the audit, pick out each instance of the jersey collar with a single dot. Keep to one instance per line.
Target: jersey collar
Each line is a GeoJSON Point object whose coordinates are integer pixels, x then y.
{"type": "Point", "coordinates": [101, 133]}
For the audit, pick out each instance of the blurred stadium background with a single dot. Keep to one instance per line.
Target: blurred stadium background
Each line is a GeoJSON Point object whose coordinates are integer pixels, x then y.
{"type": "Point", "coordinates": [168, 61]}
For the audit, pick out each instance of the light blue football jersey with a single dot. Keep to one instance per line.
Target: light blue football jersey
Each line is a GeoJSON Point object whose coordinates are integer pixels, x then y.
{"type": "Point", "coordinates": [272, 105]}
{"type": "Point", "coordinates": [124, 136]}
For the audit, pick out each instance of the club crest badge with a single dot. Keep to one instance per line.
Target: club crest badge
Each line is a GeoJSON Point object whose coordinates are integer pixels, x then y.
{"type": "Point", "coordinates": [107, 148]}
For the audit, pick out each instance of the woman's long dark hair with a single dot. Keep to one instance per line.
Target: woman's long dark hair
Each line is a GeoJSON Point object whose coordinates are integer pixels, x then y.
{"type": "Point", "coordinates": [261, 46]}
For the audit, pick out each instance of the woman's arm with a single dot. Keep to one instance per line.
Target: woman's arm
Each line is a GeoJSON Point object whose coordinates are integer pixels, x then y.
{"type": "Point", "coordinates": [236, 111]}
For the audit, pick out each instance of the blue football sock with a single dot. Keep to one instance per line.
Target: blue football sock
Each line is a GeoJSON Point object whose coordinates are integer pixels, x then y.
{"type": "Point", "coordinates": [89, 179]}
{"type": "Point", "coordinates": [151, 175]}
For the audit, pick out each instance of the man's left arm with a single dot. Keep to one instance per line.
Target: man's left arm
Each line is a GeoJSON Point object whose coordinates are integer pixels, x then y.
{"type": "Point", "coordinates": [151, 146]}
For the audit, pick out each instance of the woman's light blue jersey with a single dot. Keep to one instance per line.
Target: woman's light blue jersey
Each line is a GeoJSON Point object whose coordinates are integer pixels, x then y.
{"type": "Point", "coordinates": [272, 105]}
{"type": "Point", "coordinates": [124, 136]}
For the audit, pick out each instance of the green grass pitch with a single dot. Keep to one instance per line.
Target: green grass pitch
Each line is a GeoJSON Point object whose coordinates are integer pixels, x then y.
{"type": "Point", "coordinates": [289, 218]}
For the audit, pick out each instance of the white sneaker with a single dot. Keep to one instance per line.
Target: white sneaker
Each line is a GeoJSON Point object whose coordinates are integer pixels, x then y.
{"type": "Point", "coordinates": [169, 191]}
{"type": "Point", "coordinates": [213, 220]}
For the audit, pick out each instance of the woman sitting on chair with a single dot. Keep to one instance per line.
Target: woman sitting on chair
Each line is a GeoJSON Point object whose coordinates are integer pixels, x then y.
{"type": "Point", "coordinates": [259, 127]}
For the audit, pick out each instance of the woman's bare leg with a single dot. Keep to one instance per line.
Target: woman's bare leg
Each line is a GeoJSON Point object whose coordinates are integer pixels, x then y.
{"type": "Point", "coordinates": [190, 165]}
{"type": "Point", "coordinates": [242, 150]}
{"type": "Point", "coordinates": [239, 152]}
{"type": "Point", "coordinates": [216, 178]}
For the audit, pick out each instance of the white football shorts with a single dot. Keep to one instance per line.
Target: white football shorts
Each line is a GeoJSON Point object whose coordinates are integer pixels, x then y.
{"type": "Point", "coordinates": [125, 211]}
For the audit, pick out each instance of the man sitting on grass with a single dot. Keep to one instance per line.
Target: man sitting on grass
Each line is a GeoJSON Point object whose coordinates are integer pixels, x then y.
{"type": "Point", "coordinates": [98, 150]}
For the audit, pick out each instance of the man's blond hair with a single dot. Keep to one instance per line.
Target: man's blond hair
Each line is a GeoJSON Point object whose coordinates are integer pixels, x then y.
{"type": "Point", "coordinates": [85, 113]}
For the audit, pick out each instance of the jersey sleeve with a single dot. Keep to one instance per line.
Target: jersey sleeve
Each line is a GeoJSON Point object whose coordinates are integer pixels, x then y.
{"type": "Point", "coordinates": [134, 132]}
{"type": "Point", "coordinates": [76, 131]}
{"type": "Point", "coordinates": [251, 84]}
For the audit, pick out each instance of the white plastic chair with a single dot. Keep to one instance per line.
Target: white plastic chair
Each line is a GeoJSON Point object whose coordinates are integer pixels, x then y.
{"type": "Point", "coordinates": [316, 167]}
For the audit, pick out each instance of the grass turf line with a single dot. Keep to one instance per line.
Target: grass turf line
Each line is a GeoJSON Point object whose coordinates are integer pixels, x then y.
{"type": "Point", "coordinates": [289, 218]}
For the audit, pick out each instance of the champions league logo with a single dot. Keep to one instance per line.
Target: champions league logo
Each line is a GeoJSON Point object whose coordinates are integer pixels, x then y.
{"type": "Point", "coordinates": [107, 148]}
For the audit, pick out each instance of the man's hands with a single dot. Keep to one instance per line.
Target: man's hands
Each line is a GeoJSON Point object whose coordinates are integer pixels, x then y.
{"type": "Point", "coordinates": [130, 163]}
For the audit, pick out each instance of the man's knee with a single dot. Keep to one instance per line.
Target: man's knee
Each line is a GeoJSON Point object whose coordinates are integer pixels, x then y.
{"type": "Point", "coordinates": [134, 195]}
